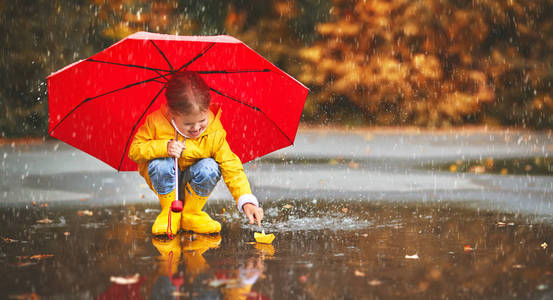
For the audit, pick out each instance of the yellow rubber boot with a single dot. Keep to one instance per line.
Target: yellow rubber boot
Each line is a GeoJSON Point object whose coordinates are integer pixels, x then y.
{"type": "Point", "coordinates": [193, 218]}
{"type": "Point", "coordinates": [160, 224]}
{"type": "Point", "coordinates": [170, 252]}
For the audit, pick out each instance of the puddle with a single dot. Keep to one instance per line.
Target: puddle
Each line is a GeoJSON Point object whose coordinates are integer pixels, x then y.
{"type": "Point", "coordinates": [322, 250]}
{"type": "Point", "coordinates": [512, 166]}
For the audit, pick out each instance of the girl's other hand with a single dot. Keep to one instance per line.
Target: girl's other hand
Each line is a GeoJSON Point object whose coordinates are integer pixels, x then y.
{"type": "Point", "coordinates": [253, 213]}
{"type": "Point", "coordinates": [175, 148]}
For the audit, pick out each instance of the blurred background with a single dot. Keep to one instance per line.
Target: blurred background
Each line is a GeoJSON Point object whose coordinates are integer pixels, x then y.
{"type": "Point", "coordinates": [428, 63]}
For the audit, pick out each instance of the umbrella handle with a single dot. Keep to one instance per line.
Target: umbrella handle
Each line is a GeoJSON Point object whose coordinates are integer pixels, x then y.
{"type": "Point", "coordinates": [176, 205]}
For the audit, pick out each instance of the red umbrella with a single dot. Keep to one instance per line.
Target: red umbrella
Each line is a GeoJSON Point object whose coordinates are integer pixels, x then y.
{"type": "Point", "coordinates": [97, 104]}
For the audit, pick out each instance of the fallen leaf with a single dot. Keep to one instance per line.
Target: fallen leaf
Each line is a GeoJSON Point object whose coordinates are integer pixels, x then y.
{"type": "Point", "coordinates": [303, 278]}
{"type": "Point", "coordinates": [287, 206]}
{"type": "Point", "coordinates": [414, 256]}
{"type": "Point", "coordinates": [83, 199]}
{"type": "Point", "coordinates": [467, 248]}
{"type": "Point", "coordinates": [40, 256]}
{"type": "Point", "coordinates": [478, 169]}
{"type": "Point", "coordinates": [501, 224]}
{"type": "Point", "coordinates": [345, 210]}
{"type": "Point", "coordinates": [66, 233]}
{"type": "Point", "coordinates": [544, 245]}
{"type": "Point", "coordinates": [25, 264]}
{"type": "Point", "coordinates": [359, 273]}
{"type": "Point", "coordinates": [353, 165]}
{"type": "Point", "coordinates": [125, 280]}
{"type": "Point", "coordinates": [504, 171]}
{"type": "Point", "coordinates": [85, 212]}
{"type": "Point", "coordinates": [375, 282]}
{"type": "Point", "coordinates": [518, 266]}
{"type": "Point", "coordinates": [45, 221]}
{"type": "Point", "coordinates": [8, 240]}
{"type": "Point", "coordinates": [32, 296]}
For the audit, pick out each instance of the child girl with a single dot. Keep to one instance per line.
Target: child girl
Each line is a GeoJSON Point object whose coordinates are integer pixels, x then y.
{"type": "Point", "coordinates": [187, 129]}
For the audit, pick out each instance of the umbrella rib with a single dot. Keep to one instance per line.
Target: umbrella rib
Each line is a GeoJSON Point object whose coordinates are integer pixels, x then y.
{"type": "Point", "coordinates": [254, 108]}
{"type": "Point", "coordinates": [136, 124]}
{"type": "Point", "coordinates": [101, 95]}
{"type": "Point", "coordinates": [126, 65]}
{"type": "Point", "coordinates": [233, 71]}
{"type": "Point", "coordinates": [196, 57]}
{"type": "Point", "coordinates": [163, 54]}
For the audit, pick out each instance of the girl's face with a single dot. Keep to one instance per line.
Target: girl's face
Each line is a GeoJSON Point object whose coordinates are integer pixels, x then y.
{"type": "Point", "coordinates": [191, 125]}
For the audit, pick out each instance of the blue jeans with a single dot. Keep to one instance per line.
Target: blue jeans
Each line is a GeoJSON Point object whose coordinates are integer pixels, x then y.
{"type": "Point", "coordinates": [202, 176]}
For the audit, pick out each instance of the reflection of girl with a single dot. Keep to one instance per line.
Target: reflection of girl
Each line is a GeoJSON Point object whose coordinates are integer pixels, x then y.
{"type": "Point", "coordinates": [246, 276]}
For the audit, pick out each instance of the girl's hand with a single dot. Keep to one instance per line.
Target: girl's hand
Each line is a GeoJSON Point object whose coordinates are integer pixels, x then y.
{"type": "Point", "coordinates": [175, 148]}
{"type": "Point", "coordinates": [253, 213]}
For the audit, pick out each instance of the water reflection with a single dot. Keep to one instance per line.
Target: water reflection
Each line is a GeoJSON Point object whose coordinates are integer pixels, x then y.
{"type": "Point", "coordinates": [403, 251]}
{"type": "Point", "coordinates": [183, 271]}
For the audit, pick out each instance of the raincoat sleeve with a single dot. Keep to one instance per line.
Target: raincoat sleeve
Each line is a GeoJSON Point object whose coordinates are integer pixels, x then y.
{"type": "Point", "coordinates": [145, 146]}
{"type": "Point", "coordinates": [232, 169]}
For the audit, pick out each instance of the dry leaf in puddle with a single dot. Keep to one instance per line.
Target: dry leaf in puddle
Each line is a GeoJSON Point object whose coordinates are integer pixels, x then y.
{"type": "Point", "coordinates": [85, 212]}
{"type": "Point", "coordinates": [414, 256]}
{"type": "Point", "coordinates": [375, 282]}
{"type": "Point", "coordinates": [45, 221]}
{"type": "Point", "coordinates": [359, 273]}
{"type": "Point", "coordinates": [41, 256]}
{"type": "Point", "coordinates": [125, 280]}
{"type": "Point", "coordinates": [32, 296]}
{"type": "Point", "coordinates": [8, 240]}
{"type": "Point", "coordinates": [544, 245]}
{"type": "Point", "coordinates": [287, 206]}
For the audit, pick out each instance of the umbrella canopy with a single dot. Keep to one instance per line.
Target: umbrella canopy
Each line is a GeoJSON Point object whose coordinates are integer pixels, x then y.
{"type": "Point", "coordinates": [97, 104]}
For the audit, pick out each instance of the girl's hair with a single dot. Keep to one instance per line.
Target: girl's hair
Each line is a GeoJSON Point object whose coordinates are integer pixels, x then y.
{"type": "Point", "coordinates": [187, 92]}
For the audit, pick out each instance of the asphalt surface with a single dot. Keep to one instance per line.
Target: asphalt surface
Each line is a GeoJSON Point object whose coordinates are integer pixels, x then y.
{"type": "Point", "coordinates": [324, 164]}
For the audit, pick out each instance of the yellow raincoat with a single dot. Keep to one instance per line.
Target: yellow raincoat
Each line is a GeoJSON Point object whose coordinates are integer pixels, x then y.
{"type": "Point", "coordinates": [151, 141]}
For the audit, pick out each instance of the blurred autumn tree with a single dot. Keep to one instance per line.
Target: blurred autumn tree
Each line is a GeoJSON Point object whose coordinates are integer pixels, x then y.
{"type": "Point", "coordinates": [39, 36]}
{"type": "Point", "coordinates": [42, 36]}
{"type": "Point", "coordinates": [423, 62]}
{"type": "Point", "coordinates": [435, 62]}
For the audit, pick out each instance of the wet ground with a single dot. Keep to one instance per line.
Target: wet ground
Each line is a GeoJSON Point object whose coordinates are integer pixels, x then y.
{"type": "Point", "coordinates": [356, 216]}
